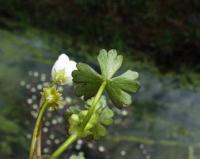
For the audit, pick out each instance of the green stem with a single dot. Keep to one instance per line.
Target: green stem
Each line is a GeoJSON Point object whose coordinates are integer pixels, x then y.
{"type": "Point", "coordinates": [37, 128]}
{"type": "Point", "coordinates": [93, 106]}
{"type": "Point", "coordinates": [64, 146]}
{"type": "Point", "coordinates": [75, 137]}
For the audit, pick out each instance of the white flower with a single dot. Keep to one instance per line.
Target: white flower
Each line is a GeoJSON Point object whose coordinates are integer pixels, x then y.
{"type": "Point", "coordinates": [62, 70]}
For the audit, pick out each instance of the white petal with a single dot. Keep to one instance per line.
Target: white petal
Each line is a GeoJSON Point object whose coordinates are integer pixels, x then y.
{"type": "Point", "coordinates": [71, 66]}
{"type": "Point", "coordinates": [63, 57]}
{"type": "Point", "coordinates": [61, 63]}
{"type": "Point", "coordinates": [64, 64]}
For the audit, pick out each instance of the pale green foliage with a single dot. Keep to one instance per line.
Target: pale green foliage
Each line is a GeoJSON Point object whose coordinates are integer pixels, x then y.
{"type": "Point", "coordinates": [95, 127]}
{"type": "Point", "coordinates": [88, 81]}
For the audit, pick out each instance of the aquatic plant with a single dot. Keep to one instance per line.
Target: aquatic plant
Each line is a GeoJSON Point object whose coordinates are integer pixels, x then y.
{"type": "Point", "coordinates": [91, 121]}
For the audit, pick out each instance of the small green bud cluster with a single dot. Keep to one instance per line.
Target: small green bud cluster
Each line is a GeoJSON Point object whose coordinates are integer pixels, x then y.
{"type": "Point", "coordinates": [95, 126]}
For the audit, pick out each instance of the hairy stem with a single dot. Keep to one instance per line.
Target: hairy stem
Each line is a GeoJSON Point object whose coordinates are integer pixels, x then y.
{"type": "Point", "coordinates": [36, 132]}
{"type": "Point", "coordinates": [75, 137]}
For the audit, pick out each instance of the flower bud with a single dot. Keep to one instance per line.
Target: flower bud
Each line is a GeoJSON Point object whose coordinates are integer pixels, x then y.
{"type": "Point", "coordinates": [62, 70]}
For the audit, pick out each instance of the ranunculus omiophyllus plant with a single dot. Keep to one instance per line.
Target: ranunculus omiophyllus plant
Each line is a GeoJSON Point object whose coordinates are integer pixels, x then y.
{"type": "Point", "coordinates": [90, 121]}
{"type": "Point", "coordinates": [62, 70]}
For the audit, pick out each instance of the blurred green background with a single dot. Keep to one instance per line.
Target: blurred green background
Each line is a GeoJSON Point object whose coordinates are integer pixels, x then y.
{"type": "Point", "coordinates": [159, 39]}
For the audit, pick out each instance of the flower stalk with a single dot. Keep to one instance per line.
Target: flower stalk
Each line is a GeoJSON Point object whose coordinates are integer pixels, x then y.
{"type": "Point", "coordinates": [36, 131]}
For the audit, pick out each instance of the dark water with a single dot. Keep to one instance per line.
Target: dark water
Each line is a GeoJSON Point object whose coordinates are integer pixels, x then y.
{"type": "Point", "coordinates": [163, 123]}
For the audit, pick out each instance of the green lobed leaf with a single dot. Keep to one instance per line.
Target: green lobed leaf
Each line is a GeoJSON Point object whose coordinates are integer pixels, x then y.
{"type": "Point", "coordinates": [109, 62]}
{"type": "Point", "coordinates": [118, 88]}
{"type": "Point", "coordinates": [127, 81]}
{"type": "Point", "coordinates": [87, 81]}
{"type": "Point", "coordinates": [119, 97]}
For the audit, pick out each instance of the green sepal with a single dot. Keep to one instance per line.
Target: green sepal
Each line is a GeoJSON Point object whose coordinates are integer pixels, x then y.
{"type": "Point", "coordinates": [87, 81]}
